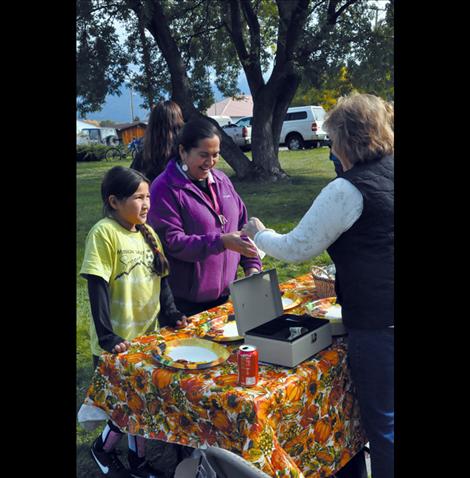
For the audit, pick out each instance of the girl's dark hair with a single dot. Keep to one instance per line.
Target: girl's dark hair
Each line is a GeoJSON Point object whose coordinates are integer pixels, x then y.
{"type": "Point", "coordinates": [195, 130]}
{"type": "Point", "coordinates": [160, 263]}
{"type": "Point", "coordinates": [123, 182]}
{"type": "Point", "coordinates": [166, 120]}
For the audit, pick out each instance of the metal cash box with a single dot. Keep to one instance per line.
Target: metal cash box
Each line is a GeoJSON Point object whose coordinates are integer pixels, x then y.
{"type": "Point", "coordinates": [281, 339]}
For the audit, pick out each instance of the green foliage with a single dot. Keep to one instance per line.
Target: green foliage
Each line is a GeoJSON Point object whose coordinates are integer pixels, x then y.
{"type": "Point", "coordinates": [91, 152]}
{"type": "Point", "coordinates": [199, 29]}
{"type": "Point", "coordinates": [105, 123]}
{"type": "Point", "coordinates": [358, 55]}
{"type": "Point", "coordinates": [149, 76]}
{"type": "Point", "coordinates": [192, 25]}
{"type": "Point", "coordinates": [338, 84]}
{"type": "Point", "coordinates": [101, 63]}
{"type": "Point", "coordinates": [372, 70]}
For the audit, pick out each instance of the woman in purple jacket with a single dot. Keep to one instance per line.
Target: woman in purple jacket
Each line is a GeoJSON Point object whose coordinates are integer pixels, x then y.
{"type": "Point", "coordinates": [198, 216]}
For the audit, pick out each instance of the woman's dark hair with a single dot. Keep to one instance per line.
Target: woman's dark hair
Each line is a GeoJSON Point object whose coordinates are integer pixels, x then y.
{"type": "Point", "coordinates": [166, 120]}
{"type": "Point", "coordinates": [195, 130]}
{"type": "Point", "coordinates": [122, 183]}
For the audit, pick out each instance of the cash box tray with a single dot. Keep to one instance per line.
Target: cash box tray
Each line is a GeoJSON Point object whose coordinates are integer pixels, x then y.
{"type": "Point", "coordinates": [283, 327]}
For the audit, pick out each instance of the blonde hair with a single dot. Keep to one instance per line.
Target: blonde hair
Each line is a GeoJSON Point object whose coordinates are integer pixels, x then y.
{"type": "Point", "coordinates": [360, 127]}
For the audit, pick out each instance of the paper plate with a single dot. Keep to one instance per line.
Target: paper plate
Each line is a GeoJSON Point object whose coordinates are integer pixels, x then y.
{"type": "Point", "coordinates": [327, 308]}
{"type": "Point", "coordinates": [222, 331]}
{"type": "Point", "coordinates": [290, 300]}
{"type": "Point", "coordinates": [190, 353]}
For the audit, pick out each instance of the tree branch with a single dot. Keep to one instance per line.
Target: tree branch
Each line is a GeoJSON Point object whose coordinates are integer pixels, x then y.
{"type": "Point", "coordinates": [345, 6]}
{"type": "Point", "coordinates": [253, 25]}
{"type": "Point", "coordinates": [159, 28]}
{"type": "Point", "coordinates": [101, 7]}
{"type": "Point", "coordinates": [181, 13]}
{"type": "Point", "coordinates": [316, 5]}
{"type": "Point", "coordinates": [250, 60]}
{"type": "Point", "coordinates": [292, 18]}
{"type": "Point", "coordinates": [297, 22]}
{"type": "Point", "coordinates": [188, 38]}
{"type": "Point", "coordinates": [333, 14]}
{"type": "Point", "coordinates": [236, 31]}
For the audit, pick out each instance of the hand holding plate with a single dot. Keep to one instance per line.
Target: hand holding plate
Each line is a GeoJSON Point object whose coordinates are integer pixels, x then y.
{"type": "Point", "coordinates": [235, 242]}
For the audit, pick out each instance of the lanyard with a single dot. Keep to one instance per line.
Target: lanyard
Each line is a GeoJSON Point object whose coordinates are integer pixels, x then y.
{"type": "Point", "coordinates": [222, 218]}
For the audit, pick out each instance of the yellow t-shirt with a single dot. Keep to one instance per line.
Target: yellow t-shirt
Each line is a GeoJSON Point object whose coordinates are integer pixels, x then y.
{"type": "Point", "coordinates": [124, 260]}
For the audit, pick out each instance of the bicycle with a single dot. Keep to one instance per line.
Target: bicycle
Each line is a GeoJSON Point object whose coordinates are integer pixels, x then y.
{"type": "Point", "coordinates": [115, 152]}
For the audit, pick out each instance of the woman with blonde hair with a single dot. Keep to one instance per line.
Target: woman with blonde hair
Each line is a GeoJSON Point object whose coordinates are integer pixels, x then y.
{"type": "Point", "coordinates": [353, 219]}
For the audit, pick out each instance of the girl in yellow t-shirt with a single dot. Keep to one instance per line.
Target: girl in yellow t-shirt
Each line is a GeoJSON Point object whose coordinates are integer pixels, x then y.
{"type": "Point", "coordinates": [129, 294]}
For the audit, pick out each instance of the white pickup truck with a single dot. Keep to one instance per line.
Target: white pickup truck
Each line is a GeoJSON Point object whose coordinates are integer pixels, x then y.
{"type": "Point", "coordinates": [302, 126]}
{"type": "Point", "coordinates": [240, 132]}
{"type": "Point", "coordinates": [89, 134]}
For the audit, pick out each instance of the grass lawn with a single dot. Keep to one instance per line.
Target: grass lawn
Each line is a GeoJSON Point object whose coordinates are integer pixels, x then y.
{"type": "Point", "coordinates": [279, 206]}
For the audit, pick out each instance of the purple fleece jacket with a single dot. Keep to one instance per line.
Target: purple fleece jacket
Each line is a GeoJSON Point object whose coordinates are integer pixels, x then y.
{"type": "Point", "coordinates": [188, 226]}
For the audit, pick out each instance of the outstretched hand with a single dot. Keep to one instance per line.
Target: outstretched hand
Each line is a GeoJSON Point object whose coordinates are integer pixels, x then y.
{"type": "Point", "coordinates": [253, 226]}
{"type": "Point", "coordinates": [235, 242]}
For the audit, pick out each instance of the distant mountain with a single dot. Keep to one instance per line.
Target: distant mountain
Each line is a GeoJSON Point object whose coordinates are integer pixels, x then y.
{"type": "Point", "coordinates": [118, 108]}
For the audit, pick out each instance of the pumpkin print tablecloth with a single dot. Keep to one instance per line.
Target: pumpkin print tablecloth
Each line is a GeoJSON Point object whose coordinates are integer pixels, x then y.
{"type": "Point", "coordinates": [295, 422]}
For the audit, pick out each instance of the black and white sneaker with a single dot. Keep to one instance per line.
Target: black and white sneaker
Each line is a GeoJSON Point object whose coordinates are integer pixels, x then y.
{"type": "Point", "coordinates": [108, 463]}
{"type": "Point", "coordinates": [144, 470]}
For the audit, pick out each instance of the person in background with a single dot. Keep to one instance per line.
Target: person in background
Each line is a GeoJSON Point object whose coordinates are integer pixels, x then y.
{"type": "Point", "coordinates": [198, 215]}
{"type": "Point", "coordinates": [127, 274]}
{"type": "Point", "coordinates": [353, 219]}
{"type": "Point", "coordinates": [166, 119]}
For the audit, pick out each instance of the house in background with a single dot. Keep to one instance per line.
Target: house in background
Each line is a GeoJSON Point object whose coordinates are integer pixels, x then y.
{"type": "Point", "coordinates": [128, 131]}
{"type": "Point", "coordinates": [81, 124]}
{"type": "Point", "coordinates": [91, 122]}
{"type": "Point", "coordinates": [235, 107]}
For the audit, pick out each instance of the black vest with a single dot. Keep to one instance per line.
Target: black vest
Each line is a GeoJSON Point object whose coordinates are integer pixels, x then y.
{"type": "Point", "coordinates": [364, 254]}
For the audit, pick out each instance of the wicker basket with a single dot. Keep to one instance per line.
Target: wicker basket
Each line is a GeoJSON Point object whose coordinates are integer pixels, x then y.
{"type": "Point", "coordinates": [324, 283]}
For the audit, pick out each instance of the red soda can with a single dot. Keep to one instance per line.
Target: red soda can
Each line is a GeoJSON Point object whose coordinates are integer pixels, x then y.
{"type": "Point", "coordinates": [247, 365]}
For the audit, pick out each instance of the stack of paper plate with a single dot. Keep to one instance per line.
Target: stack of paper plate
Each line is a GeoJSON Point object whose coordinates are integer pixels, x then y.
{"type": "Point", "coordinates": [327, 308]}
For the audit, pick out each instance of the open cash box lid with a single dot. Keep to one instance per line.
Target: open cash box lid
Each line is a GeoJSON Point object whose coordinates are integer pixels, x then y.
{"type": "Point", "coordinates": [256, 300]}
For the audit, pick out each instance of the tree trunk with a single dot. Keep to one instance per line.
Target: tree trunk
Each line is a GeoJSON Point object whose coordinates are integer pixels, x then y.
{"type": "Point", "coordinates": [271, 99]}
{"type": "Point", "coordinates": [269, 109]}
{"type": "Point", "coordinates": [263, 145]}
{"type": "Point", "coordinates": [243, 167]}
{"type": "Point", "coordinates": [146, 61]}
{"type": "Point", "coordinates": [181, 89]}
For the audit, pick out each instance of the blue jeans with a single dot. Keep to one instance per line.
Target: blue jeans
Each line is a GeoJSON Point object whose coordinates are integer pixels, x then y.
{"type": "Point", "coordinates": [371, 360]}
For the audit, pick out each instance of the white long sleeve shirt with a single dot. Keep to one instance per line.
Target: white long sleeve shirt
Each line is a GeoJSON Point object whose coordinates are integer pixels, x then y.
{"type": "Point", "coordinates": [338, 206]}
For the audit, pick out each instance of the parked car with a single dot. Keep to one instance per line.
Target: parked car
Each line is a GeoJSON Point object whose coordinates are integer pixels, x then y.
{"type": "Point", "coordinates": [303, 127]}
{"type": "Point", "coordinates": [240, 132]}
{"type": "Point", "coordinates": [222, 120]}
{"type": "Point", "coordinates": [87, 134]}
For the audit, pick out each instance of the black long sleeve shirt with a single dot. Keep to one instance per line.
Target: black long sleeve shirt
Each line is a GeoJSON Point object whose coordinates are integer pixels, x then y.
{"type": "Point", "coordinates": [98, 292]}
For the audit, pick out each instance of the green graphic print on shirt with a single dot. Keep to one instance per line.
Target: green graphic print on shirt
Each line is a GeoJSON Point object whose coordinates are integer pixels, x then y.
{"type": "Point", "coordinates": [124, 259]}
